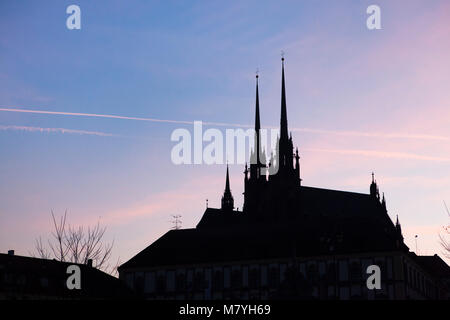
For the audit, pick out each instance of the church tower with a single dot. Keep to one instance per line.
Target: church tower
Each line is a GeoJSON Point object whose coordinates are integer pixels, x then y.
{"type": "Point", "coordinates": [286, 174]}
{"type": "Point", "coordinates": [257, 159]}
{"type": "Point", "coordinates": [256, 183]}
{"type": "Point", "coordinates": [279, 195]}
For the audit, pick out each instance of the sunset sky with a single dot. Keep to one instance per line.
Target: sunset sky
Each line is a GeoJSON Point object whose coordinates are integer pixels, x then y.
{"type": "Point", "coordinates": [358, 101]}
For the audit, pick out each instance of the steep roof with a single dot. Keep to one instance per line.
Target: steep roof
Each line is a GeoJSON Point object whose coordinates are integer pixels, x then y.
{"type": "Point", "coordinates": [434, 265]}
{"type": "Point", "coordinates": [328, 222]}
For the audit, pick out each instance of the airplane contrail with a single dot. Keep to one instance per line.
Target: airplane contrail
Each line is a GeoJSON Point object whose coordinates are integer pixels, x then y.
{"type": "Point", "coordinates": [111, 116]}
{"type": "Point", "coordinates": [223, 124]}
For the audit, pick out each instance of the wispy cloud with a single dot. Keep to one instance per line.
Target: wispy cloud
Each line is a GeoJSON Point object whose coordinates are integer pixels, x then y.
{"type": "Point", "coordinates": [381, 154]}
{"type": "Point", "coordinates": [375, 134]}
{"type": "Point", "coordinates": [56, 130]}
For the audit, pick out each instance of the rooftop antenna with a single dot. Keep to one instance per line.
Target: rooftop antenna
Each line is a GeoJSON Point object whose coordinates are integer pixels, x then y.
{"type": "Point", "coordinates": [416, 236]}
{"type": "Point", "coordinates": [176, 222]}
{"type": "Point", "coordinates": [206, 203]}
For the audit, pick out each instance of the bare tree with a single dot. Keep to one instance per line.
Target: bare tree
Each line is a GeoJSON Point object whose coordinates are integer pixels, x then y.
{"type": "Point", "coordinates": [445, 243]}
{"type": "Point", "coordinates": [77, 245]}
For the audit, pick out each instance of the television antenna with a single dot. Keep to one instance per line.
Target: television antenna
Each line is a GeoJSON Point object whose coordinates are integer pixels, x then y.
{"type": "Point", "coordinates": [176, 222]}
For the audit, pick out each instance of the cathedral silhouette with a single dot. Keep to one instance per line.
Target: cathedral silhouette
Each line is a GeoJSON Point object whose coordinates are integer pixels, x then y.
{"type": "Point", "coordinates": [289, 242]}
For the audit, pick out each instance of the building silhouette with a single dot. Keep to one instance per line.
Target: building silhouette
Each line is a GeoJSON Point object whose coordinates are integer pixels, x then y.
{"type": "Point", "coordinates": [289, 242]}
{"type": "Point", "coordinates": [28, 278]}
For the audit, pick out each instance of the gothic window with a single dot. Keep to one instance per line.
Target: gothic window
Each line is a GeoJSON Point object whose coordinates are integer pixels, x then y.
{"type": "Point", "coordinates": [343, 270]}
{"type": "Point", "coordinates": [253, 278]}
{"type": "Point", "coordinates": [312, 273]}
{"type": "Point", "coordinates": [218, 280]}
{"type": "Point", "coordinates": [181, 282]}
{"type": "Point", "coordinates": [355, 271]}
{"type": "Point", "coordinates": [160, 283]}
{"type": "Point", "coordinates": [274, 277]}
{"type": "Point", "coordinates": [236, 279]}
{"type": "Point", "coordinates": [198, 281]}
{"type": "Point", "coordinates": [331, 272]}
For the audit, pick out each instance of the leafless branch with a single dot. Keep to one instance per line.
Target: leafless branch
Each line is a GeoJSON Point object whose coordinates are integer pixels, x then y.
{"type": "Point", "coordinates": [445, 244]}
{"type": "Point", "coordinates": [77, 244]}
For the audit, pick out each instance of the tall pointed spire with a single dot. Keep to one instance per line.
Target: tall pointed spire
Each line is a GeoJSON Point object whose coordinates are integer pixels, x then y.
{"type": "Point", "coordinates": [227, 198]}
{"type": "Point", "coordinates": [257, 120]}
{"type": "Point", "coordinates": [257, 123]}
{"type": "Point", "coordinates": [283, 120]}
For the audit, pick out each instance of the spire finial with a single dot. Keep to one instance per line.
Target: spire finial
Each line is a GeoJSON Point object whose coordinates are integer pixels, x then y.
{"type": "Point", "coordinates": [282, 55]}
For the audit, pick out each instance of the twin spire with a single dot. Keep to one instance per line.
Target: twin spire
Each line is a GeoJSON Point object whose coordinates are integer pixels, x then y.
{"type": "Point", "coordinates": [257, 163]}
{"type": "Point", "coordinates": [283, 119]}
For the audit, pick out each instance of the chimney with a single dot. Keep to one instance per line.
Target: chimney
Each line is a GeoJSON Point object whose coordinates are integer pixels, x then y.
{"type": "Point", "coordinates": [10, 252]}
{"type": "Point", "coordinates": [89, 263]}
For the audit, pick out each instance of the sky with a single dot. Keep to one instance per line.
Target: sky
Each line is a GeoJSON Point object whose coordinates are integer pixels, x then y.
{"type": "Point", "coordinates": [358, 101]}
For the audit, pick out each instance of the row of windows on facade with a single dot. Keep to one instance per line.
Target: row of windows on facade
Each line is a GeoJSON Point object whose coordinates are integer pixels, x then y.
{"type": "Point", "coordinates": [25, 280]}
{"type": "Point", "coordinates": [344, 292]}
{"type": "Point", "coordinates": [417, 281]}
{"type": "Point", "coordinates": [255, 276]}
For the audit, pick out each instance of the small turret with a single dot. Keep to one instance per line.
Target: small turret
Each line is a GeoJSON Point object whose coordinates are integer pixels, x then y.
{"type": "Point", "coordinates": [374, 188]}
{"type": "Point", "coordinates": [227, 198]}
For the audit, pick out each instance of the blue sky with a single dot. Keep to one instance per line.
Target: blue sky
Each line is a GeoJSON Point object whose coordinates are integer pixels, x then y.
{"type": "Point", "coordinates": [369, 96]}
